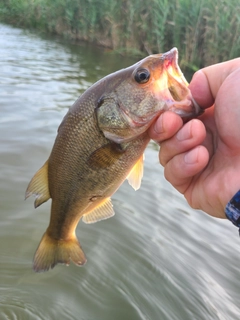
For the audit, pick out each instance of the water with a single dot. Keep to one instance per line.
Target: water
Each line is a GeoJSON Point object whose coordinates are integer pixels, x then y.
{"type": "Point", "coordinates": [156, 259]}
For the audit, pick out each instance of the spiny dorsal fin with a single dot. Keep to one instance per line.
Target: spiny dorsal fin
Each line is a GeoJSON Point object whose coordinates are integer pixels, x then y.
{"type": "Point", "coordinates": [136, 174]}
{"type": "Point", "coordinates": [102, 212]}
{"type": "Point", "coordinates": [39, 186]}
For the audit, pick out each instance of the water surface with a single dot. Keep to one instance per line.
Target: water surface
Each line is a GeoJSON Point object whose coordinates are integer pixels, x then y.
{"type": "Point", "coordinates": [156, 259]}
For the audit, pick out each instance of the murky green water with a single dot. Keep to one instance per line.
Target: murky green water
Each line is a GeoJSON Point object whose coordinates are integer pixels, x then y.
{"type": "Point", "coordinates": [157, 259]}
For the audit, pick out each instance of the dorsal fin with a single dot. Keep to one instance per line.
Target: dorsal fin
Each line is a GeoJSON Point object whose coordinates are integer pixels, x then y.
{"type": "Point", "coordinates": [102, 212]}
{"type": "Point", "coordinates": [136, 174]}
{"type": "Point", "coordinates": [39, 186]}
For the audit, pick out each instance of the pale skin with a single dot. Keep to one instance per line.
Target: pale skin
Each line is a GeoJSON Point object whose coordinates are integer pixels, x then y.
{"type": "Point", "coordinates": [201, 158]}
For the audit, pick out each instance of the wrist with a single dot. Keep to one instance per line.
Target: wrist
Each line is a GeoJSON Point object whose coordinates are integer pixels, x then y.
{"type": "Point", "coordinates": [232, 210]}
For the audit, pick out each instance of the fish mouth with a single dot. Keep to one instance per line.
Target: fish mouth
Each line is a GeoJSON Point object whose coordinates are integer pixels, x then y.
{"type": "Point", "coordinates": [186, 109]}
{"type": "Point", "coordinates": [178, 97]}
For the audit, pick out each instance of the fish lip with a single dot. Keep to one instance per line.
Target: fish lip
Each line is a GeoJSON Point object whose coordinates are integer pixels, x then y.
{"type": "Point", "coordinates": [198, 110]}
{"type": "Point", "coordinates": [171, 59]}
{"type": "Point", "coordinates": [186, 108]}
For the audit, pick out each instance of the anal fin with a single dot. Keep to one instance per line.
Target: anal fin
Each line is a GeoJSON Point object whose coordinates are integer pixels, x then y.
{"type": "Point", "coordinates": [39, 186]}
{"type": "Point", "coordinates": [136, 174]}
{"type": "Point", "coordinates": [102, 212]}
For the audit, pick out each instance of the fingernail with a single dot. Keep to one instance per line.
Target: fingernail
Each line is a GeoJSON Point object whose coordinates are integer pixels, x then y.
{"type": "Point", "coordinates": [158, 126]}
{"type": "Point", "coordinates": [191, 157]}
{"type": "Point", "coordinates": [185, 132]}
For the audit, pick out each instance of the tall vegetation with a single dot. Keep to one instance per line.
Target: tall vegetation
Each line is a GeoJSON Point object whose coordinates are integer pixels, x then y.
{"type": "Point", "coordinates": [205, 31]}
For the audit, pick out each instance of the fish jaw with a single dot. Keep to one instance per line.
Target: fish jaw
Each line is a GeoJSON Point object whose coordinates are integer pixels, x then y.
{"type": "Point", "coordinates": [186, 109]}
{"type": "Point", "coordinates": [172, 87]}
{"type": "Point", "coordinates": [181, 102]}
{"type": "Point", "coordinates": [137, 127]}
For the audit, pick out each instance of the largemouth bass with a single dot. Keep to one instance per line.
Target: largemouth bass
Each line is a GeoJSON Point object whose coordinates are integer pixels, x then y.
{"type": "Point", "coordinates": [100, 143]}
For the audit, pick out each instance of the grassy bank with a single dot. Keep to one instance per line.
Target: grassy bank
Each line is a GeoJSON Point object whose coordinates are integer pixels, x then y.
{"type": "Point", "coordinates": [205, 31]}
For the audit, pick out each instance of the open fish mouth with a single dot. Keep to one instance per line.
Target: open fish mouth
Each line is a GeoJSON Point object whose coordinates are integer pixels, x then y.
{"type": "Point", "coordinates": [182, 102]}
{"type": "Point", "coordinates": [177, 96]}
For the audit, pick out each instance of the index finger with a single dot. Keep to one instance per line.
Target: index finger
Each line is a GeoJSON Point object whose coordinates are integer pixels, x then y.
{"type": "Point", "coordinates": [167, 124]}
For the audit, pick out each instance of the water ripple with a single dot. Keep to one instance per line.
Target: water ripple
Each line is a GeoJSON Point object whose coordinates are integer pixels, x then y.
{"type": "Point", "coordinates": [156, 259]}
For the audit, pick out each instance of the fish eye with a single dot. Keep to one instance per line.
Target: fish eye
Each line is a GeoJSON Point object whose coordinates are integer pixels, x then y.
{"type": "Point", "coordinates": [142, 76]}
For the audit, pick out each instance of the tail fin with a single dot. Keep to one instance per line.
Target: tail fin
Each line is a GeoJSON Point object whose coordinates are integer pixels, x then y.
{"type": "Point", "coordinates": [51, 252]}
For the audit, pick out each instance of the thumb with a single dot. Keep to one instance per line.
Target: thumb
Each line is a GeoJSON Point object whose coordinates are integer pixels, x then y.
{"type": "Point", "coordinates": [200, 89]}
{"type": "Point", "coordinates": [227, 110]}
{"type": "Point", "coordinates": [206, 82]}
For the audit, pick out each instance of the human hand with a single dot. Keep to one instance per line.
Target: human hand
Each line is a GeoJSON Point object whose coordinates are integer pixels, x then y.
{"type": "Point", "coordinates": [202, 157]}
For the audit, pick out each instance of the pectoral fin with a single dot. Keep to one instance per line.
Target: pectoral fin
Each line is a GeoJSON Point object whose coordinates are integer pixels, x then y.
{"type": "Point", "coordinates": [102, 212]}
{"type": "Point", "coordinates": [105, 156]}
{"type": "Point", "coordinates": [136, 174]}
{"type": "Point", "coordinates": [39, 186]}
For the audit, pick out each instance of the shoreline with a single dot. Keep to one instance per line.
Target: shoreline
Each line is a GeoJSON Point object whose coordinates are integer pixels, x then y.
{"type": "Point", "coordinates": [205, 32]}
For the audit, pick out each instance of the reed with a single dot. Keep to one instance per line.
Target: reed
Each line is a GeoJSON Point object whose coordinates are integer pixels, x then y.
{"type": "Point", "coordinates": [205, 31]}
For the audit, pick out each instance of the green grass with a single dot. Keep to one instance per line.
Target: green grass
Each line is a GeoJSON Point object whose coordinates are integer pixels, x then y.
{"type": "Point", "coordinates": [205, 31]}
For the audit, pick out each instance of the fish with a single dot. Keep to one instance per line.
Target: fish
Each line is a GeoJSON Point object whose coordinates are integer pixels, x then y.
{"type": "Point", "coordinates": [99, 144]}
